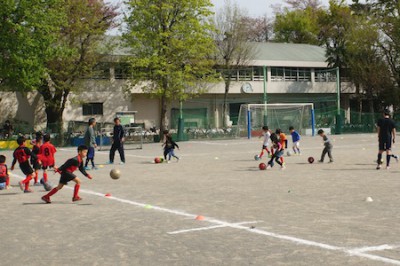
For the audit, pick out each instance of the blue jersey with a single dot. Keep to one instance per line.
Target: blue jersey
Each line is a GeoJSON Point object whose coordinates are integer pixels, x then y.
{"type": "Point", "coordinates": [295, 136]}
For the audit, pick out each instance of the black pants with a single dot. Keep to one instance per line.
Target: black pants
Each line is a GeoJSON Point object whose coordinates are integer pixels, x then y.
{"type": "Point", "coordinates": [117, 146]}
{"type": "Point", "coordinates": [327, 150]}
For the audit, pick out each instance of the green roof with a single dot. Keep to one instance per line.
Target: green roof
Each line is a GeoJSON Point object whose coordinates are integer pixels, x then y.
{"type": "Point", "coordinates": [265, 53]}
{"type": "Point", "coordinates": [289, 52]}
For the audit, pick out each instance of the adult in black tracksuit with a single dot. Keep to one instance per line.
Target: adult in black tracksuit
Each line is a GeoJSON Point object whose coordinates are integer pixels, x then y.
{"type": "Point", "coordinates": [118, 141]}
{"type": "Point", "coordinates": [386, 135]}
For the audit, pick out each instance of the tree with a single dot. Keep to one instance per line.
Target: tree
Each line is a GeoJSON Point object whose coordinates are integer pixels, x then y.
{"type": "Point", "coordinates": [386, 14]}
{"type": "Point", "coordinates": [49, 45]}
{"type": "Point", "coordinates": [27, 31]}
{"type": "Point", "coordinates": [233, 50]}
{"type": "Point", "coordinates": [298, 23]}
{"type": "Point", "coordinates": [368, 69]}
{"type": "Point", "coordinates": [259, 29]}
{"type": "Point", "coordinates": [74, 54]}
{"type": "Point", "coordinates": [171, 47]}
{"type": "Point", "coordinates": [297, 26]}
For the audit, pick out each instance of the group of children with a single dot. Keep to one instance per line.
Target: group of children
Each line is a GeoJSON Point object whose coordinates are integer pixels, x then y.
{"type": "Point", "coordinates": [42, 157]}
{"type": "Point", "coordinates": [279, 143]}
{"type": "Point", "coordinates": [30, 162]}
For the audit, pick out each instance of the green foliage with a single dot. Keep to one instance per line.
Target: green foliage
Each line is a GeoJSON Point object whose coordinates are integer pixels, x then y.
{"type": "Point", "coordinates": [298, 26]}
{"type": "Point", "coordinates": [171, 46]}
{"type": "Point", "coordinates": [27, 30]}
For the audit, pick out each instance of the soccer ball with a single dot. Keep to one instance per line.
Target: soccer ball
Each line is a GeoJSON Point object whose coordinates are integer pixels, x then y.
{"type": "Point", "coordinates": [115, 173]}
{"type": "Point", "coordinates": [256, 157]}
{"type": "Point", "coordinates": [310, 159]}
{"type": "Point", "coordinates": [262, 166]}
{"type": "Point", "coordinates": [157, 160]}
{"type": "Point", "coordinates": [288, 153]}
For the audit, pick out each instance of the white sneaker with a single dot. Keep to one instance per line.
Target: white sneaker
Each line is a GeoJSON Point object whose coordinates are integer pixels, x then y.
{"type": "Point", "coordinates": [121, 163]}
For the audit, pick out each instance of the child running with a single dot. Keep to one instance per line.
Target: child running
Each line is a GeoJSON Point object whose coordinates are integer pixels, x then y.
{"type": "Point", "coordinates": [277, 154]}
{"type": "Point", "coordinates": [295, 140]}
{"type": "Point", "coordinates": [67, 174]}
{"type": "Point", "coordinates": [327, 147]}
{"type": "Point", "coordinates": [282, 140]}
{"type": "Point", "coordinates": [266, 134]}
{"type": "Point", "coordinates": [34, 162]}
{"type": "Point", "coordinates": [4, 177]}
{"type": "Point", "coordinates": [22, 154]}
{"type": "Point", "coordinates": [169, 147]}
{"type": "Point", "coordinates": [46, 154]}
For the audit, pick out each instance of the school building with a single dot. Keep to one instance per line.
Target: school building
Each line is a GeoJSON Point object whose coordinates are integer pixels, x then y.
{"type": "Point", "coordinates": [295, 73]}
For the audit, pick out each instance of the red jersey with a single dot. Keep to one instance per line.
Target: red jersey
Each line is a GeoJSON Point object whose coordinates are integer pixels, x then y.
{"type": "Point", "coordinates": [46, 154]}
{"type": "Point", "coordinates": [72, 164]}
{"type": "Point", "coordinates": [3, 173]}
{"type": "Point", "coordinates": [22, 154]}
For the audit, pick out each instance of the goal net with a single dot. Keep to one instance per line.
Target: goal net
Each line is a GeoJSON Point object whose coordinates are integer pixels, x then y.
{"type": "Point", "coordinates": [133, 138]}
{"type": "Point", "coordinates": [252, 117]}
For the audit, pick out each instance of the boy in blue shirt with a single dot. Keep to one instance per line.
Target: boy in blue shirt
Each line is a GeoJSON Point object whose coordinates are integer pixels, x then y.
{"type": "Point", "coordinates": [296, 140]}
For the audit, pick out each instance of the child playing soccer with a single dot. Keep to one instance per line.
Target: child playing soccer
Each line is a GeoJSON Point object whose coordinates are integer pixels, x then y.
{"type": "Point", "coordinates": [295, 140]}
{"type": "Point", "coordinates": [34, 162]}
{"type": "Point", "coordinates": [277, 154]}
{"type": "Point", "coordinates": [67, 174]}
{"type": "Point", "coordinates": [327, 148]}
{"type": "Point", "coordinates": [90, 142]}
{"type": "Point", "coordinates": [266, 134]}
{"type": "Point", "coordinates": [46, 154]}
{"type": "Point", "coordinates": [4, 178]}
{"type": "Point", "coordinates": [22, 154]}
{"type": "Point", "coordinates": [169, 147]}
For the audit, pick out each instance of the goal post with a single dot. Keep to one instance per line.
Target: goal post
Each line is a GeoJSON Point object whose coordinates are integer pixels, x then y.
{"type": "Point", "coordinates": [133, 138]}
{"type": "Point", "coordinates": [252, 117]}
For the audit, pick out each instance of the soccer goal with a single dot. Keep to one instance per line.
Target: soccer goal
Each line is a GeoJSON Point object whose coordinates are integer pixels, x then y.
{"type": "Point", "coordinates": [252, 117]}
{"type": "Point", "coordinates": [133, 138]}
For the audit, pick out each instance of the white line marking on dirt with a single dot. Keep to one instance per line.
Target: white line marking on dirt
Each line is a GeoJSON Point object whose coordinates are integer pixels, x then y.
{"type": "Point", "coordinates": [206, 228]}
{"type": "Point", "coordinates": [374, 248]}
{"type": "Point", "coordinates": [241, 227]}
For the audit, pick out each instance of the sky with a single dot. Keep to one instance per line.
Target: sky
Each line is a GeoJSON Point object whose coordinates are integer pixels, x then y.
{"type": "Point", "coordinates": [256, 8]}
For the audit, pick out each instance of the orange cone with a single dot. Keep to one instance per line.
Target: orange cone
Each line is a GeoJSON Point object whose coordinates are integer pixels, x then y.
{"type": "Point", "coordinates": [200, 218]}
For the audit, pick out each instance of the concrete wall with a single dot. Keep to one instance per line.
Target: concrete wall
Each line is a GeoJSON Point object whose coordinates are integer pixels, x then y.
{"type": "Point", "coordinates": [115, 96]}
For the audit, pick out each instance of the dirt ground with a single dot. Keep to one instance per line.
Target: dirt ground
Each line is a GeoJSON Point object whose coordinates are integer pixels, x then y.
{"type": "Point", "coordinates": [213, 207]}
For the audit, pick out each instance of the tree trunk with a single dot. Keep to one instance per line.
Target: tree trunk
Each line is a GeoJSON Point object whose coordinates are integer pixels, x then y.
{"type": "Point", "coordinates": [225, 108]}
{"type": "Point", "coordinates": [164, 108]}
{"type": "Point", "coordinates": [54, 107]}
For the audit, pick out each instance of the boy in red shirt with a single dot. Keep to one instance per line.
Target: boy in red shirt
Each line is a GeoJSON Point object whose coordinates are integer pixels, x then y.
{"type": "Point", "coordinates": [67, 174]}
{"type": "Point", "coordinates": [4, 178]}
{"type": "Point", "coordinates": [46, 152]}
{"type": "Point", "coordinates": [22, 154]}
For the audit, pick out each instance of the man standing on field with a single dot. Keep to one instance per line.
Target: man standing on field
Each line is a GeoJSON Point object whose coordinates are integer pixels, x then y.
{"type": "Point", "coordinates": [386, 135]}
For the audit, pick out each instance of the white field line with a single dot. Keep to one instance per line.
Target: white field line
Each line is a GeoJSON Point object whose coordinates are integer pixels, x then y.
{"type": "Point", "coordinates": [374, 248]}
{"type": "Point", "coordinates": [287, 238]}
{"type": "Point", "coordinates": [207, 228]}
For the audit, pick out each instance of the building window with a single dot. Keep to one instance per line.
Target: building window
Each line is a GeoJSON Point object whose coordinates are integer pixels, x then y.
{"type": "Point", "coordinates": [304, 74]}
{"type": "Point", "coordinates": [122, 71]}
{"type": "Point", "coordinates": [325, 75]}
{"type": "Point", "coordinates": [101, 71]}
{"type": "Point", "coordinates": [290, 74]}
{"type": "Point", "coordinates": [92, 109]}
{"type": "Point", "coordinates": [277, 73]}
{"type": "Point", "coordinates": [245, 74]}
{"type": "Point", "coordinates": [258, 73]}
